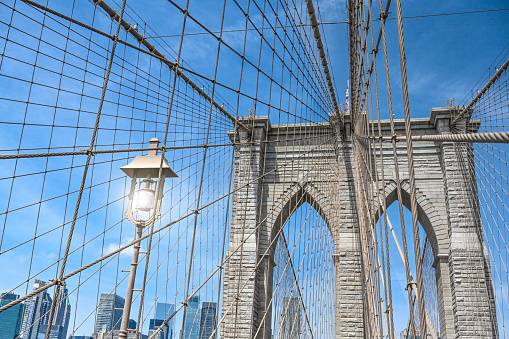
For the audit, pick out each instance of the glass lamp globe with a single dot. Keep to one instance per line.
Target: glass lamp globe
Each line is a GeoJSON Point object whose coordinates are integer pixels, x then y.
{"type": "Point", "coordinates": [145, 198]}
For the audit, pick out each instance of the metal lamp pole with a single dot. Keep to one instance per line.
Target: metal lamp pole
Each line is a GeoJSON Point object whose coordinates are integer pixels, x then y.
{"type": "Point", "coordinates": [124, 325]}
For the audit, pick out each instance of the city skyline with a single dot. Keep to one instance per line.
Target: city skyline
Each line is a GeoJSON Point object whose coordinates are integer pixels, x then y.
{"type": "Point", "coordinates": [30, 319]}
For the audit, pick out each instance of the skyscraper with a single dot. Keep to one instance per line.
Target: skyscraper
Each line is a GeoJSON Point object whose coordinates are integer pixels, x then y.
{"type": "Point", "coordinates": [192, 321]}
{"type": "Point", "coordinates": [107, 317]}
{"type": "Point", "coordinates": [154, 325]}
{"type": "Point", "coordinates": [63, 312]}
{"type": "Point", "coordinates": [60, 319]}
{"type": "Point", "coordinates": [292, 322]}
{"type": "Point", "coordinates": [208, 320]}
{"type": "Point", "coordinates": [37, 312]}
{"type": "Point", "coordinates": [10, 320]}
{"type": "Point", "coordinates": [163, 311]}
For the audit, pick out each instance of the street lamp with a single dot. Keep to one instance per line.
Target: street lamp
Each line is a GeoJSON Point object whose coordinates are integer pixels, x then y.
{"type": "Point", "coordinates": [145, 197]}
{"type": "Point", "coordinates": [144, 172]}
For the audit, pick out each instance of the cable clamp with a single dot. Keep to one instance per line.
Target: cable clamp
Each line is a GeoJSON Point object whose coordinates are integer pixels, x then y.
{"type": "Point", "coordinates": [97, 2]}
{"type": "Point", "coordinates": [409, 284]}
{"type": "Point", "coordinates": [184, 303]}
{"type": "Point", "coordinates": [88, 152]}
{"type": "Point", "coordinates": [114, 16]}
{"type": "Point", "coordinates": [142, 39]}
{"type": "Point", "coordinates": [394, 138]}
{"type": "Point", "coordinates": [58, 282]}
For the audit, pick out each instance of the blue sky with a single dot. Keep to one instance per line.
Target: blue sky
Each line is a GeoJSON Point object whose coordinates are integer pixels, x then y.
{"type": "Point", "coordinates": [445, 57]}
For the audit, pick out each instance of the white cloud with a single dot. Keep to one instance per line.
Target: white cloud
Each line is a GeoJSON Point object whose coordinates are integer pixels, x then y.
{"type": "Point", "coordinates": [128, 252]}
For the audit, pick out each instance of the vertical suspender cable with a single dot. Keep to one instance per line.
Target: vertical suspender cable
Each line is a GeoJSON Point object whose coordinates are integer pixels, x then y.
{"type": "Point", "coordinates": [411, 173]}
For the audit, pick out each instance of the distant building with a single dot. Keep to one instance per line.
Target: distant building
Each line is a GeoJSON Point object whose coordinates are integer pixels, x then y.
{"type": "Point", "coordinates": [193, 318]}
{"type": "Point", "coordinates": [163, 311]}
{"type": "Point", "coordinates": [60, 320]}
{"type": "Point", "coordinates": [208, 320]}
{"type": "Point", "coordinates": [10, 320]}
{"type": "Point", "coordinates": [81, 337]}
{"type": "Point", "coordinates": [165, 333]}
{"type": "Point", "coordinates": [105, 334]}
{"type": "Point", "coordinates": [407, 334]}
{"type": "Point", "coordinates": [107, 317]}
{"type": "Point", "coordinates": [292, 318]}
{"type": "Point", "coordinates": [36, 312]}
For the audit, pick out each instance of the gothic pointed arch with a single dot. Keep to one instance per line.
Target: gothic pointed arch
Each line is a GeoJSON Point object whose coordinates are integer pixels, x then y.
{"type": "Point", "coordinates": [428, 216]}
{"type": "Point", "coordinates": [294, 197]}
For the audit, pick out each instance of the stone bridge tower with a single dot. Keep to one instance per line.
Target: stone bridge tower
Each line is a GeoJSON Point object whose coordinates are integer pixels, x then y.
{"type": "Point", "coordinates": [268, 190]}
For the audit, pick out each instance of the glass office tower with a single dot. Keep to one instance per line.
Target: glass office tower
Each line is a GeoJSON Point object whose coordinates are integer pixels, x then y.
{"type": "Point", "coordinates": [10, 320]}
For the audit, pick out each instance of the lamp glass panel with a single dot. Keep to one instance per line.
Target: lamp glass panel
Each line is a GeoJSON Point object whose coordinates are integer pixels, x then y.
{"type": "Point", "coordinates": [144, 199]}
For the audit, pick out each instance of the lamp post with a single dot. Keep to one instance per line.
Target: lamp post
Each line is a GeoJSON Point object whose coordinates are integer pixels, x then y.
{"type": "Point", "coordinates": [144, 174]}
